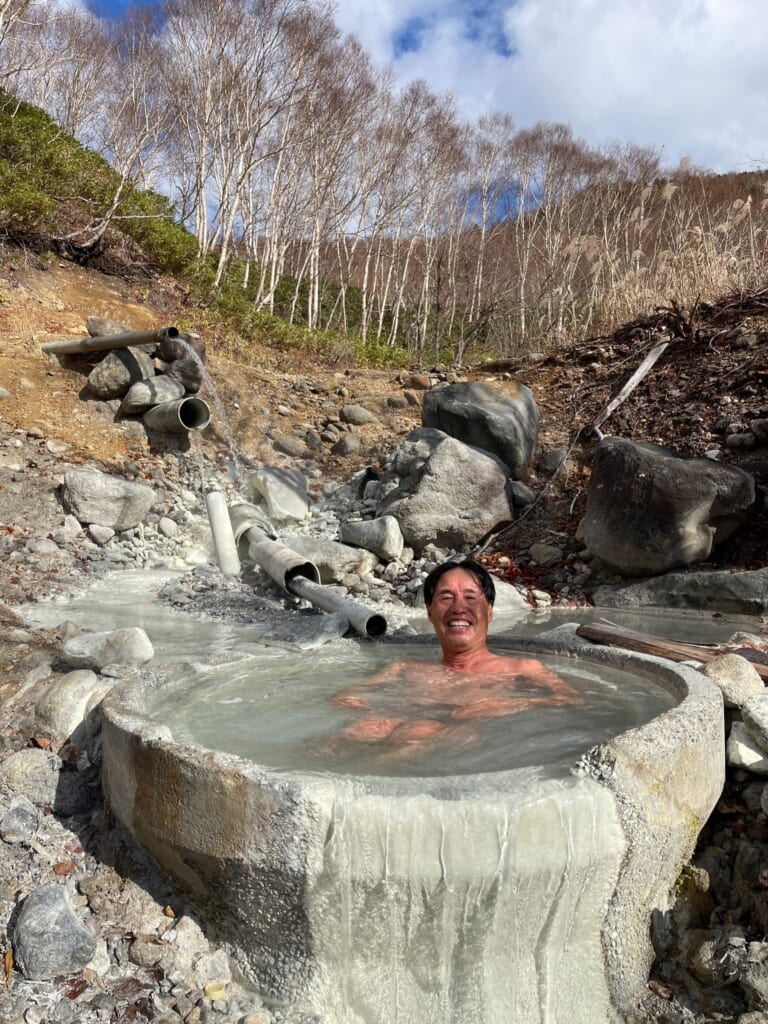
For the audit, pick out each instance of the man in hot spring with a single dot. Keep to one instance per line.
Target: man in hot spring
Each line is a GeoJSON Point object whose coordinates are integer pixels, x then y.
{"type": "Point", "coordinates": [469, 684]}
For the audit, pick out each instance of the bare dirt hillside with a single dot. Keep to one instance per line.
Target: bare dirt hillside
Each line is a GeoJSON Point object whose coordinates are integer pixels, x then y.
{"type": "Point", "coordinates": [711, 379]}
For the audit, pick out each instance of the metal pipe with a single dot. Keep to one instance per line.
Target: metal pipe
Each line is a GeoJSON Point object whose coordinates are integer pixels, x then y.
{"type": "Point", "coordinates": [245, 516]}
{"type": "Point", "coordinates": [221, 529]}
{"type": "Point", "coordinates": [178, 417]}
{"type": "Point", "coordinates": [295, 574]}
{"type": "Point", "coordinates": [110, 341]}
{"type": "Point", "coordinates": [360, 618]}
{"type": "Point", "coordinates": [282, 564]}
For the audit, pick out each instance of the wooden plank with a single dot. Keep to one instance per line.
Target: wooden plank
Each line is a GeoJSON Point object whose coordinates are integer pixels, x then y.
{"type": "Point", "coordinates": [631, 384]}
{"type": "Point", "coordinates": [674, 650]}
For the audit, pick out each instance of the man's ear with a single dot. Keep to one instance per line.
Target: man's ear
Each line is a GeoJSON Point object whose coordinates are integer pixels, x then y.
{"type": "Point", "coordinates": [429, 612]}
{"type": "Point", "coordinates": [490, 612]}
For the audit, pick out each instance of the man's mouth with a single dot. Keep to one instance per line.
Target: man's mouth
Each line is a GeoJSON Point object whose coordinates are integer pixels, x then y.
{"type": "Point", "coordinates": [458, 624]}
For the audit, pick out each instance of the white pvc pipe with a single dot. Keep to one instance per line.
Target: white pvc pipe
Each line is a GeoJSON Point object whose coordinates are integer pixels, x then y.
{"type": "Point", "coordinates": [223, 537]}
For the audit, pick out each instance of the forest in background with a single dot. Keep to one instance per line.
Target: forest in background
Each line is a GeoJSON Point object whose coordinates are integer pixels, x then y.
{"type": "Point", "coordinates": [317, 192]}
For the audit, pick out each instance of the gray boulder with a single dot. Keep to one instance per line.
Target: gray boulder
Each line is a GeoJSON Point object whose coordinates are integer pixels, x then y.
{"type": "Point", "coordinates": [62, 710]}
{"type": "Point", "coordinates": [742, 751]}
{"type": "Point", "coordinates": [503, 422]}
{"type": "Point", "coordinates": [96, 498]}
{"type": "Point", "coordinates": [348, 444]}
{"type": "Point", "coordinates": [129, 646]}
{"type": "Point", "coordinates": [449, 494]}
{"type": "Point", "coordinates": [738, 593]}
{"type": "Point", "coordinates": [383, 536]}
{"type": "Point", "coordinates": [285, 494]}
{"type": "Point", "coordinates": [737, 678]}
{"type": "Point", "coordinates": [117, 371]}
{"type": "Point", "coordinates": [172, 349]}
{"type": "Point", "coordinates": [334, 561]}
{"type": "Point", "coordinates": [102, 327]}
{"type": "Point", "coordinates": [49, 938]}
{"type": "Point", "coordinates": [37, 774]}
{"type": "Point", "coordinates": [145, 393]}
{"type": "Point", "coordinates": [650, 509]}
{"type": "Point", "coordinates": [754, 713]}
{"type": "Point", "coordinates": [188, 372]}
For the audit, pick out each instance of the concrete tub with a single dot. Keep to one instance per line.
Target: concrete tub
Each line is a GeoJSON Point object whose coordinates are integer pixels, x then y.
{"type": "Point", "coordinates": [500, 898]}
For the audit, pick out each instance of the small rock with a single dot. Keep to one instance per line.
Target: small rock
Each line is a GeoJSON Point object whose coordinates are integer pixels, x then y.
{"type": "Point", "coordinates": [19, 821]}
{"type": "Point", "coordinates": [754, 713]}
{"type": "Point", "coordinates": [545, 554]}
{"type": "Point", "coordinates": [349, 444]}
{"type": "Point", "coordinates": [57, 447]}
{"type": "Point", "coordinates": [736, 677]}
{"type": "Point", "coordinates": [356, 414]}
{"type": "Point", "coordinates": [49, 938]}
{"type": "Point", "coordinates": [291, 446]}
{"type": "Point", "coordinates": [382, 536]}
{"type": "Point", "coordinates": [167, 527]}
{"type": "Point", "coordinates": [33, 773]}
{"type": "Point", "coordinates": [100, 535]}
{"type": "Point", "coordinates": [741, 752]}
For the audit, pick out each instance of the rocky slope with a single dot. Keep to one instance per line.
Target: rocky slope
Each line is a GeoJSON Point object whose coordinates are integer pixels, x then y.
{"type": "Point", "coordinates": [153, 961]}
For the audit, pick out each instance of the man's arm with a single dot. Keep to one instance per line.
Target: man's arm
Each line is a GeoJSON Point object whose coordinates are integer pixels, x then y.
{"type": "Point", "coordinates": [356, 697]}
{"type": "Point", "coordinates": [540, 677]}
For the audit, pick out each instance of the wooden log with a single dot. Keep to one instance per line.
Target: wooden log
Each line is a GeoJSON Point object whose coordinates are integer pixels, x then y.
{"type": "Point", "coordinates": [674, 650]}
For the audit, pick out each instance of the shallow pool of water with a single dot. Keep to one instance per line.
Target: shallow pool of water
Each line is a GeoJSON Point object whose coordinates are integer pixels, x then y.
{"type": "Point", "coordinates": [280, 712]}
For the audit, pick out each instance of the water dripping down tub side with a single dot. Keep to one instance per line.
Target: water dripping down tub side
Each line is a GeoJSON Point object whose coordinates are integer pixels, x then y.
{"type": "Point", "coordinates": [468, 911]}
{"type": "Point", "coordinates": [354, 900]}
{"type": "Point", "coordinates": [666, 777]}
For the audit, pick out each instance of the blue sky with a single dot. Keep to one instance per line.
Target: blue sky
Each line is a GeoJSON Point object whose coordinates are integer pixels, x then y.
{"type": "Point", "coordinates": [111, 8]}
{"type": "Point", "coordinates": [688, 77]}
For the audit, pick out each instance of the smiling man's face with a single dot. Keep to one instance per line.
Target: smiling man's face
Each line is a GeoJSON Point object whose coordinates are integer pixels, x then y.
{"type": "Point", "coordinates": [460, 612]}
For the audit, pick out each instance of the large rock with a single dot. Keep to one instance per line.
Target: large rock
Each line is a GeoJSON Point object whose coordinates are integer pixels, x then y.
{"type": "Point", "coordinates": [145, 393]}
{"type": "Point", "coordinates": [285, 493]}
{"type": "Point", "coordinates": [130, 646]}
{"type": "Point", "coordinates": [449, 493]}
{"type": "Point", "coordinates": [117, 371]}
{"type": "Point", "coordinates": [503, 422]}
{"type": "Point", "coordinates": [62, 710]}
{"type": "Point", "coordinates": [94, 497]}
{"type": "Point", "coordinates": [650, 509]}
{"type": "Point", "coordinates": [334, 561]}
{"type": "Point", "coordinates": [188, 372]}
{"type": "Point", "coordinates": [382, 536]}
{"type": "Point", "coordinates": [737, 593]}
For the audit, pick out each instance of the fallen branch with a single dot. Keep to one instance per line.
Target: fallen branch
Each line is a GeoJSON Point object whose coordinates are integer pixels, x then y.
{"type": "Point", "coordinates": [641, 372]}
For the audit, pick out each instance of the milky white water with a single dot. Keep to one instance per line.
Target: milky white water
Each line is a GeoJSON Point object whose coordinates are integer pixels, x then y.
{"type": "Point", "coordinates": [280, 713]}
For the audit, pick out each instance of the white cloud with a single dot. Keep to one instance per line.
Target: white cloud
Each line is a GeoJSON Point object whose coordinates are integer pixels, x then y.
{"type": "Point", "coordinates": [686, 76]}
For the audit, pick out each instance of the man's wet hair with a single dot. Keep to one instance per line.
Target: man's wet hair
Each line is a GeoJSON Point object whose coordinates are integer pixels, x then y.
{"type": "Point", "coordinates": [481, 574]}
